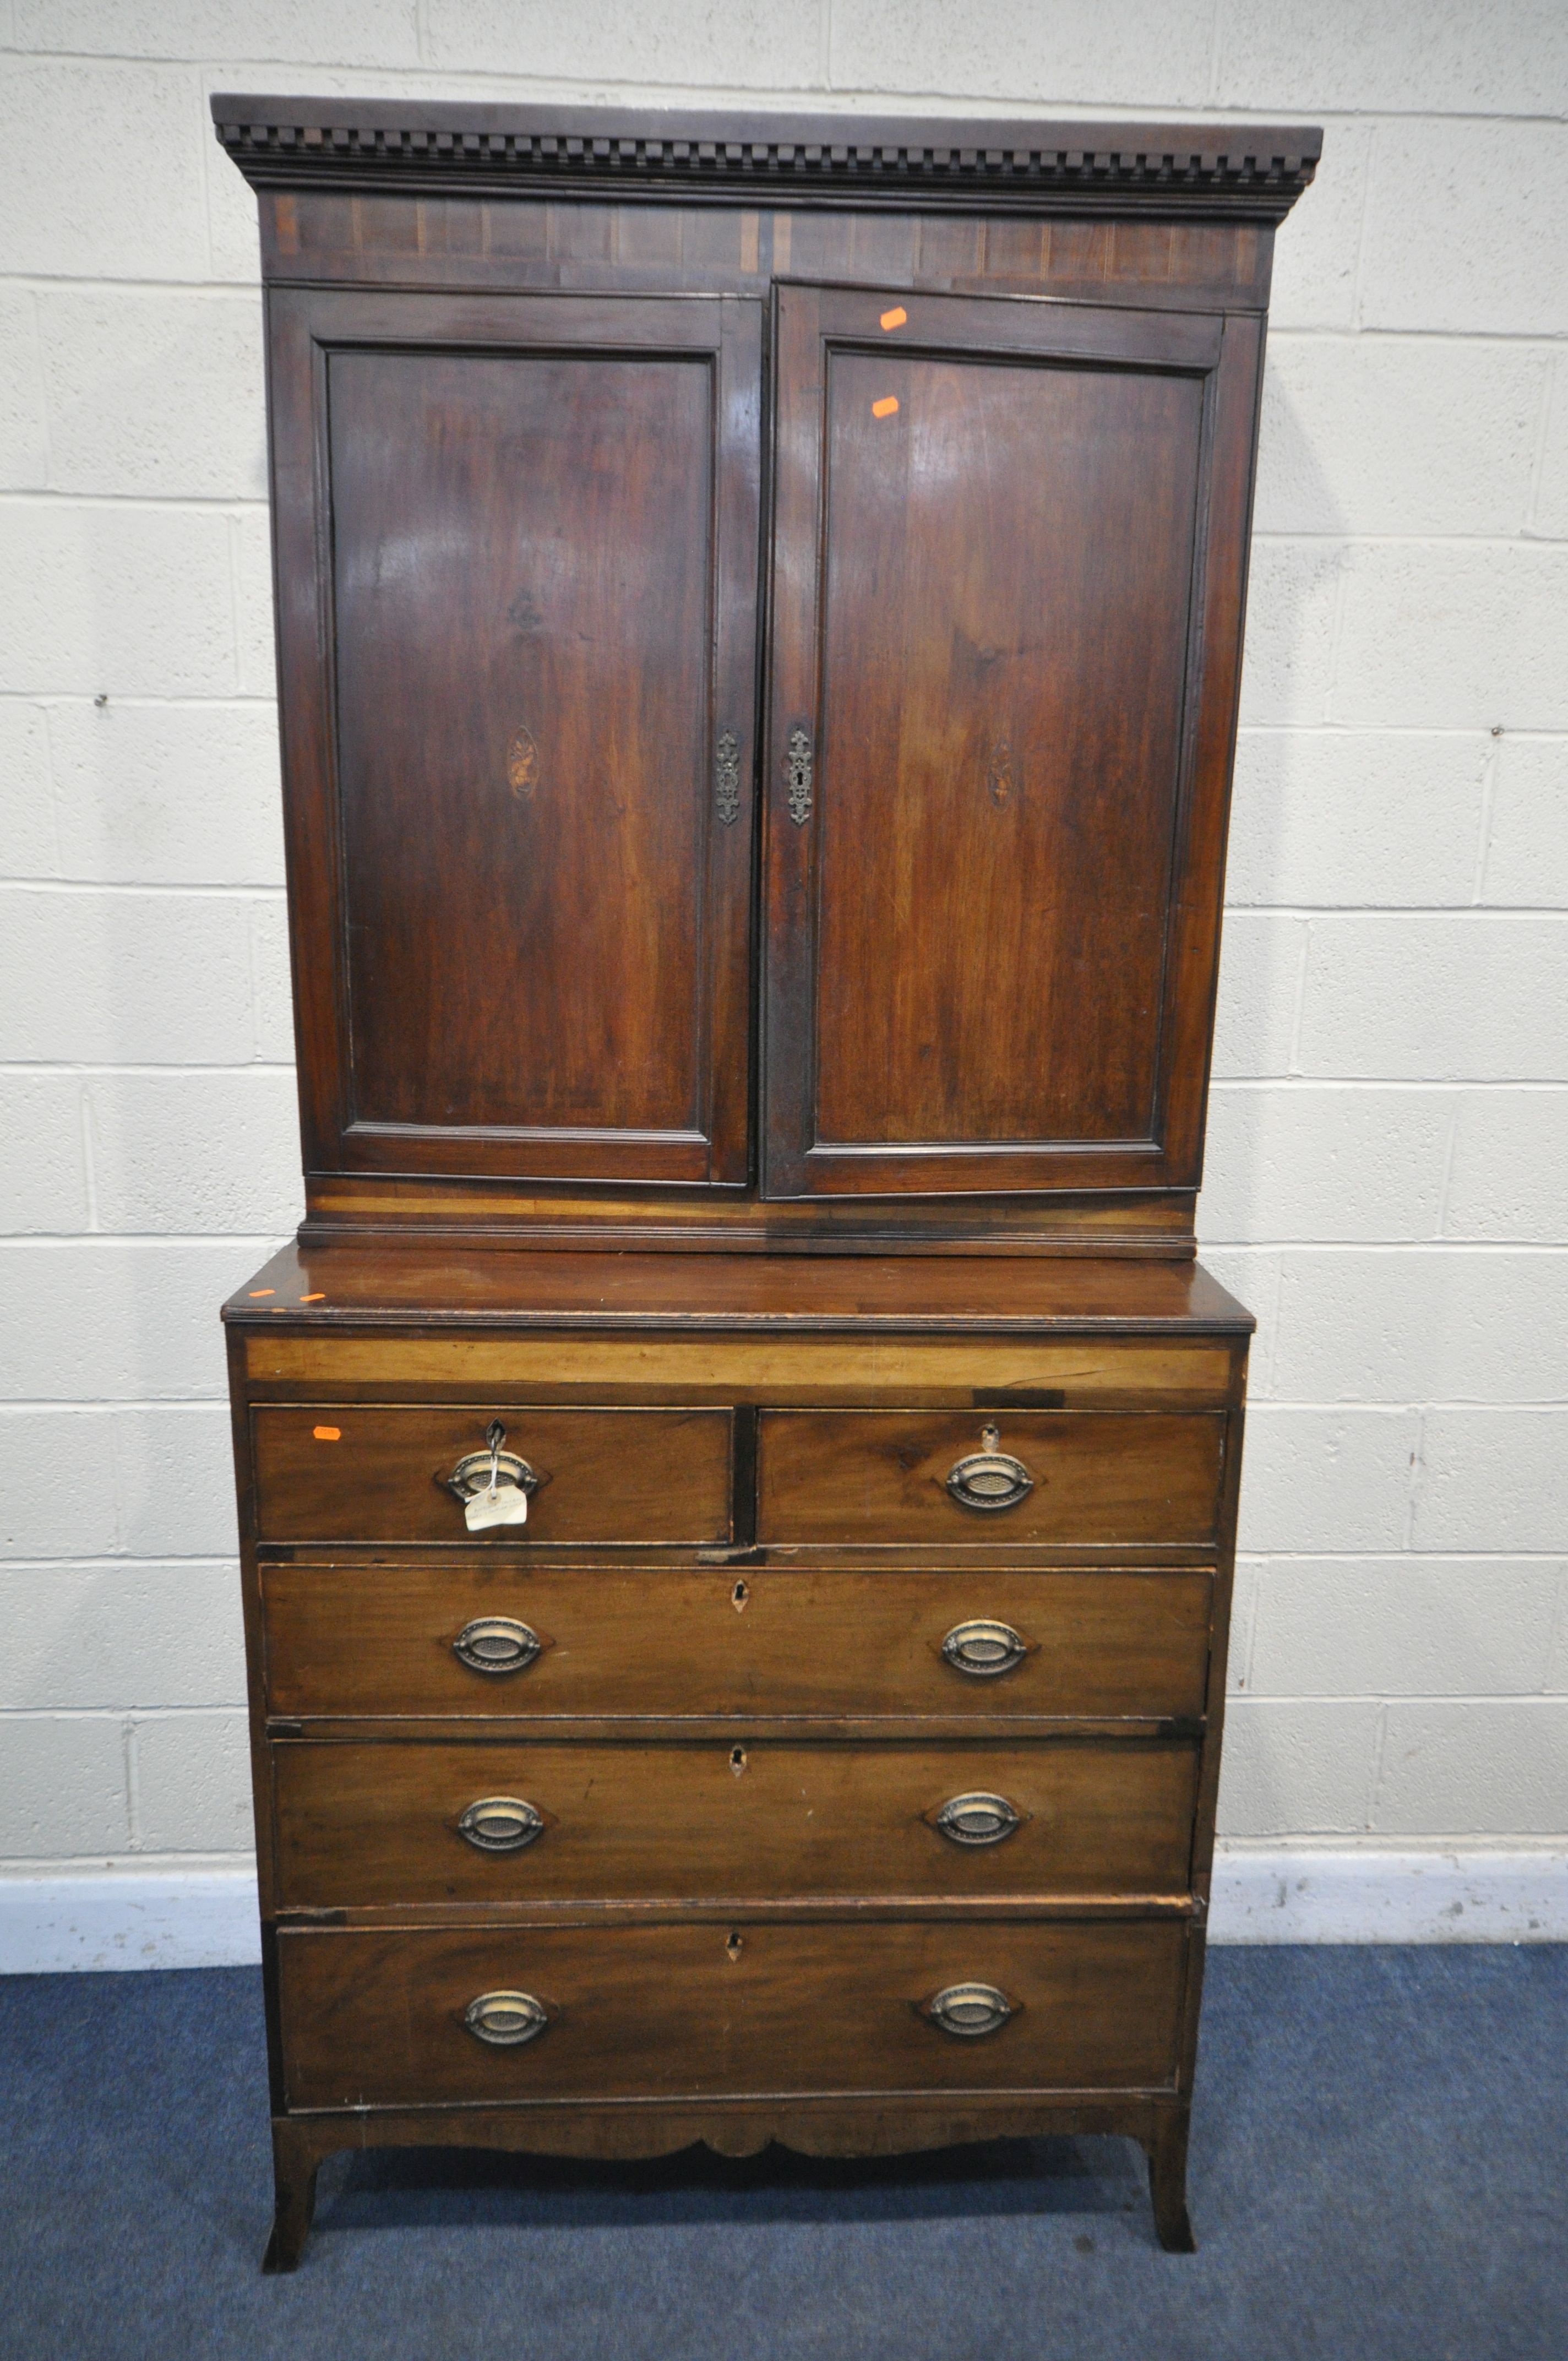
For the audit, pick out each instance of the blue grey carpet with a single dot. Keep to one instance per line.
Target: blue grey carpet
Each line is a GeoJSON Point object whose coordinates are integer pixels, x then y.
{"type": "Point", "coordinates": [1379, 2169]}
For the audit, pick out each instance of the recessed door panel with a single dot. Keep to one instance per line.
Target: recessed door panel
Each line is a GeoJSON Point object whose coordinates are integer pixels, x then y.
{"type": "Point", "coordinates": [992, 608]}
{"type": "Point", "coordinates": [522, 580]}
{"type": "Point", "coordinates": [1008, 556]}
{"type": "Point", "coordinates": [536, 522]}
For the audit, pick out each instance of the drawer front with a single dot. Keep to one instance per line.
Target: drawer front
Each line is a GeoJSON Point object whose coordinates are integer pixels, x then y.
{"type": "Point", "coordinates": [1090, 1478]}
{"type": "Point", "coordinates": [344, 1474]}
{"type": "Point", "coordinates": [395, 1823]}
{"type": "Point", "coordinates": [347, 1640]}
{"type": "Point", "coordinates": [374, 2019]}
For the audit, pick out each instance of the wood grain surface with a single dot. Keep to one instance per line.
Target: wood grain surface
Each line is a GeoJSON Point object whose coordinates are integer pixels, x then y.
{"type": "Point", "coordinates": [997, 734]}
{"type": "Point", "coordinates": [882, 1476]}
{"type": "Point", "coordinates": [990, 954]}
{"type": "Point", "coordinates": [520, 934]}
{"type": "Point", "coordinates": [442, 1283]}
{"type": "Point", "coordinates": [377, 1639]}
{"type": "Point", "coordinates": [374, 2020]}
{"type": "Point", "coordinates": [367, 1824]}
{"type": "Point", "coordinates": [378, 1475]}
{"type": "Point", "coordinates": [384, 239]}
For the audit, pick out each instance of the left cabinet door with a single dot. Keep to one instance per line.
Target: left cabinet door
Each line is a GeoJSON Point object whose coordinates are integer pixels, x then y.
{"type": "Point", "coordinates": [516, 549]}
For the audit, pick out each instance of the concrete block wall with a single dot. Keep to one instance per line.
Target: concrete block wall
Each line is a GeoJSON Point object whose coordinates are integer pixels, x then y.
{"type": "Point", "coordinates": [1389, 1149]}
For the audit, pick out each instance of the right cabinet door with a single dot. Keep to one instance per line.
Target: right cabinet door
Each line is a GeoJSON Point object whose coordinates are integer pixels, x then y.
{"type": "Point", "coordinates": [1008, 573]}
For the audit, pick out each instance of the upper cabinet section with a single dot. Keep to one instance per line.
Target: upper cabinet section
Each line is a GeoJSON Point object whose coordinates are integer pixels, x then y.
{"type": "Point", "coordinates": [759, 608]}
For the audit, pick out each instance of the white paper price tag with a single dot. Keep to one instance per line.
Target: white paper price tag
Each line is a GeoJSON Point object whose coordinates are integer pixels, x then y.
{"type": "Point", "coordinates": [507, 1505]}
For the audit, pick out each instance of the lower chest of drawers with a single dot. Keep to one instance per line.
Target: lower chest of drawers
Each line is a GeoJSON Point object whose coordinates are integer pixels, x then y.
{"type": "Point", "coordinates": [774, 1766]}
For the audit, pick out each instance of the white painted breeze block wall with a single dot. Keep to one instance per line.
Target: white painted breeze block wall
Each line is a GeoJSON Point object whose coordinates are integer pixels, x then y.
{"type": "Point", "coordinates": [1389, 1143]}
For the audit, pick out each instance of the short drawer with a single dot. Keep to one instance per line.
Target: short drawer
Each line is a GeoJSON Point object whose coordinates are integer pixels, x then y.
{"type": "Point", "coordinates": [374, 2019]}
{"type": "Point", "coordinates": [379, 1474]}
{"type": "Point", "coordinates": [483, 1636]}
{"type": "Point", "coordinates": [403, 1824]}
{"type": "Point", "coordinates": [958, 1480]}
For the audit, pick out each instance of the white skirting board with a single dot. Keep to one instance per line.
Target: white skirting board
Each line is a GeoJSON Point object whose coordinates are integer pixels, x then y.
{"type": "Point", "coordinates": [1312, 1894]}
{"type": "Point", "coordinates": [164, 1916]}
{"type": "Point", "coordinates": [204, 1914]}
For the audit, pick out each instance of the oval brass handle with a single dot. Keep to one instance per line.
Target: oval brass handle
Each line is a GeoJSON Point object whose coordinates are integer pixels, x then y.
{"type": "Point", "coordinates": [495, 1643]}
{"type": "Point", "coordinates": [969, 2011]}
{"type": "Point", "coordinates": [990, 1478]}
{"type": "Point", "coordinates": [976, 1820]}
{"type": "Point", "coordinates": [506, 2019]}
{"type": "Point", "coordinates": [983, 1649]}
{"type": "Point", "coordinates": [502, 1824]}
{"type": "Point", "coordinates": [483, 1471]}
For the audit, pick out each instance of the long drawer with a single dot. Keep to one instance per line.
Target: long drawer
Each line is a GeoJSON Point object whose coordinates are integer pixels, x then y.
{"type": "Point", "coordinates": [398, 1823]}
{"type": "Point", "coordinates": [379, 1474]}
{"type": "Point", "coordinates": [486, 1636]}
{"type": "Point", "coordinates": [958, 1480]}
{"type": "Point", "coordinates": [374, 2019]}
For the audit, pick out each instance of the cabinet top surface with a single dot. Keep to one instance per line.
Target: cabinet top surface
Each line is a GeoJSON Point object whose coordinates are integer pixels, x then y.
{"type": "Point", "coordinates": [357, 1285]}
{"type": "Point", "coordinates": [1240, 170]}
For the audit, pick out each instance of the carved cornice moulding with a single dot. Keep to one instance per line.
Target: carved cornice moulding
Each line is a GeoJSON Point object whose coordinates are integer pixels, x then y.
{"type": "Point", "coordinates": [1202, 171]}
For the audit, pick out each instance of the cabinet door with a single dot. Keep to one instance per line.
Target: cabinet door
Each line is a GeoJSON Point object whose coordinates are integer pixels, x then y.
{"type": "Point", "coordinates": [517, 564]}
{"type": "Point", "coordinates": [1008, 571]}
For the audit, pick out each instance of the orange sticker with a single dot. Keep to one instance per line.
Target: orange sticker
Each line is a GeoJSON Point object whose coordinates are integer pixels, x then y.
{"type": "Point", "coordinates": [312, 1298]}
{"type": "Point", "coordinates": [896, 318]}
{"type": "Point", "coordinates": [327, 1434]}
{"type": "Point", "coordinates": [886, 407]}
{"type": "Point", "coordinates": [263, 1291]}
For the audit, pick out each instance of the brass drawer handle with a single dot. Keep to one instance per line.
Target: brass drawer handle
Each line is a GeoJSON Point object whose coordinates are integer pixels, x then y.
{"type": "Point", "coordinates": [500, 1824]}
{"type": "Point", "coordinates": [495, 1643]}
{"type": "Point", "coordinates": [990, 1478]}
{"type": "Point", "coordinates": [506, 2019]}
{"type": "Point", "coordinates": [969, 2011]}
{"type": "Point", "coordinates": [494, 1486]}
{"type": "Point", "coordinates": [976, 1820]}
{"type": "Point", "coordinates": [983, 1649]}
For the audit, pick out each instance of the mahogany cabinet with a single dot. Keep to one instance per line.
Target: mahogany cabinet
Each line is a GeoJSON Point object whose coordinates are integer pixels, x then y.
{"type": "Point", "coordinates": [760, 620]}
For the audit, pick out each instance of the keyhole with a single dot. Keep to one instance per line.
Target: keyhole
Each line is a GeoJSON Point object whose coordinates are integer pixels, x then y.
{"type": "Point", "coordinates": [734, 1946]}
{"type": "Point", "coordinates": [740, 1595]}
{"type": "Point", "coordinates": [736, 1760]}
